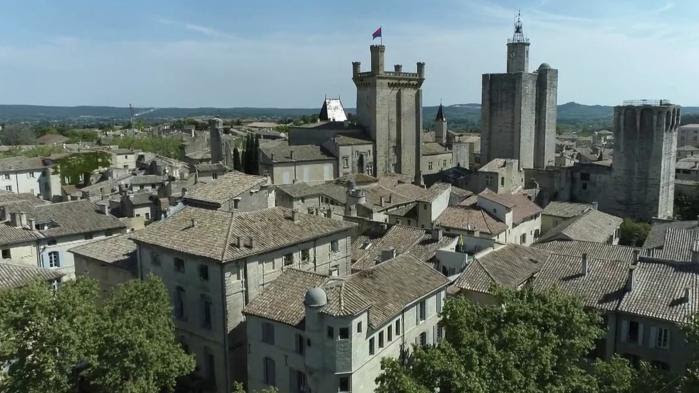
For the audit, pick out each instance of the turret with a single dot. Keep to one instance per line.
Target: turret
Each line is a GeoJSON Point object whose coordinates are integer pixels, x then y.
{"type": "Point", "coordinates": [518, 50]}
{"type": "Point", "coordinates": [377, 52]}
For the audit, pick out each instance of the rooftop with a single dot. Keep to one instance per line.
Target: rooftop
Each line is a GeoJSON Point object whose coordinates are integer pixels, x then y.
{"type": "Point", "coordinates": [118, 251]}
{"type": "Point", "coordinates": [592, 249]}
{"type": "Point", "coordinates": [592, 226]}
{"type": "Point", "coordinates": [282, 152]}
{"type": "Point", "coordinates": [566, 209]}
{"type": "Point", "coordinates": [384, 291]}
{"type": "Point", "coordinates": [522, 207]}
{"type": "Point", "coordinates": [225, 187]}
{"type": "Point", "coordinates": [656, 236]}
{"type": "Point", "coordinates": [14, 275]}
{"type": "Point", "coordinates": [469, 219]}
{"type": "Point", "coordinates": [213, 234]}
{"type": "Point", "coordinates": [20, 163]}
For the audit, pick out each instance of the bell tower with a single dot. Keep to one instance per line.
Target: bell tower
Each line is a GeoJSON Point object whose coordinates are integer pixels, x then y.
{"type": "Point", "coordinates": [518, 49]}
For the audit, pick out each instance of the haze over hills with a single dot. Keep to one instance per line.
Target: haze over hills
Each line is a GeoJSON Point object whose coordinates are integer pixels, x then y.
{"type": "Point", "coordinates": [468, 114]}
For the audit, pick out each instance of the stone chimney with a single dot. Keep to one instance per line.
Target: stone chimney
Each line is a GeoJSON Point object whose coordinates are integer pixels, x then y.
{"type": "Point", "coordinates": [630, 278]}
{"type": "Point", "coordinates": [22, 219]}
{"type": "Point", "coordinates": [636, 254]}
{"type": "Point", "coordinates": [193, 223]}
{"type": "Point", "coordinates": [251, 242]}
{"type": "Point", "coordinates": [382, 201]}
{"type": "Point", "coordinates": [437, 234]}
{"type": "Point", "coordinates": [32, 223]}
{"type": "Point", "coordinates": [388, 253]}
{"type": "Point", "coordinates": [585, 265]}
{"type": "Point", "coordinates": [295, 215]}
{"type": "Point", "coordinates": [595, 205]}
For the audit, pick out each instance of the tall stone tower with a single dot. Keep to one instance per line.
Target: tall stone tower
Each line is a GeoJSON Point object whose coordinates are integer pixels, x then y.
{"type": "Point", "coordinates": [216, 139]}
{"type": "Point", "coordinates": [518, 112]}
{"type": "Point", "coordinates": [642, 182]}
{"type": "Point", "coordinates": [389, 106]}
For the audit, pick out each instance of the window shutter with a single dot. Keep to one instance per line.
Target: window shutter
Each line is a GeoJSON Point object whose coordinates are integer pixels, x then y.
{"type": "Point", "coordinates": [653, 337]}
{"type": "Point", "coordinates": [669, 337]}
{"type": "Point", "coordinates": [624, 330]}
{"type": "Point", "coordinates": [640, 333]}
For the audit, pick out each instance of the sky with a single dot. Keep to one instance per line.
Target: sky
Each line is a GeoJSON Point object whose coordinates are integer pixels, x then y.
{"type": "Point", "coordinates": [292, 53]}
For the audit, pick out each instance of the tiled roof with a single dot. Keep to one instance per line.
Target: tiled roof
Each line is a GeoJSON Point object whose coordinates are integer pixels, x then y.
{"type": "Point", "coordinates": [677, 246]}
{"type": "Point", "coordinates": [304, 190]}
{"type": "Point", "coordinates": [593, 250]}
{"type": "Point", "coordinates": [509, 266]}
{"type": "Point", "coordinates": [656, 236]}
{"type": "Point", "coordinates": [385, 290]}
{"type": "Point", "coordinates": [210, 167]}
{"type": "Point", "coordinates": [658, 291]}
{"type": "Point", "coordinates": [342, 140]}
{"type": "Point", "coordinates": [146, 179]}
{"type": "Point", "coordinates": [522, 207]}
{"type": "Point", "coordinates": [400, 237]}
{"type": "Point", "coordinates": [458, 195]}
{"type": "Point", "coordinates": [224, 188]}
{"type": "Point", "coordinates": [11, 197]}
{"type": "Point", "coordinates": [565, 209]}
{"type": "Point", "coordinates": [426, 248]}
{"type": "Point", "coordinates": [591, 226]}
{"type": "Point", "coordinates": [282, 152]}
{"type": "Point", "coordinates": [118, 251]}
{"type": "Point", "coordinates": [602, 287]}
{"type": "Point", "coordinates": [20, 163]}
{"type": "Point", "coordinates": [468, 219]}
{"type": "Point", "coordinates": [214, 233]}
{"type": "Point", "coordinates": [13, 275]}
{"type": "Point", "coordinates": [434, 148]}
{"type": "Point", "coordinates": [434, 191]}
{"type": "Point", "coordinates": [11, 235]}
{"type": "Point", "coordinates": [73, 217]}
{"type": "Point", "coordinates": [497, 164]}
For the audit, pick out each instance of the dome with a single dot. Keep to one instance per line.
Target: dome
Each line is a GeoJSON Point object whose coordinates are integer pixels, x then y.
{"type": "Point", "coordinates": [315, 297]}
{"type": "Point", "coordinates": [544, 66]}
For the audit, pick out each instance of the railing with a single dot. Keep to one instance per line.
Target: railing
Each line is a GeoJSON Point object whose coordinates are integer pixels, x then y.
{"type": "Point", "coordinates": [646, 102]}
{"type": "Point", "coordinates": [517, 40]}
{"type": "Point", "coordinates": [392, 73]}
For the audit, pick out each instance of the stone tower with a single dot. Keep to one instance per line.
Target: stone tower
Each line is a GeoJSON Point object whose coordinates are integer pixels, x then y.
{"type": "Point", "coordinates": [389, 107]}
{"type": "Point", "coordinates": [440, 126]}
{"type": "Point", "coordinates": [518, 112]}
{"type": "Point", "coordinates": [642, 182]}
{"type": "Point", "coordinates": [216, 139]}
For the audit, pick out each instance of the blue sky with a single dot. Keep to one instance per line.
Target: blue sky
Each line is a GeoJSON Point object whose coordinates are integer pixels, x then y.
{"type": "Point", "coordinates": [292, 53]}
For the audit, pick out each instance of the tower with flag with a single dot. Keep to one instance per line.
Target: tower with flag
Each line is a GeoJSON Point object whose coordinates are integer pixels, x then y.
{"type": "Point", "coordinates": [389, 107]}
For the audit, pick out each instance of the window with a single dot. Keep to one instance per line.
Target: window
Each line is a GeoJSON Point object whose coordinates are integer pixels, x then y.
{"type": "Point", "coordinates": [7, 176]}
{"type": "Point", "coordinates": [179, 303]}
{"type": "Point", "coordinates": [204, 272]}
{"type": "Point", "coordinates": [502, 181]}
{"type": "Point", "coordinates": [439, 302]}
{"type": "Point", "coordinates": [334, 271]}
{"type": "Point", "coordinates": [214, 175]}
{"type": "Point", "coordinates": [210, 366]}
{"type": "Point", "coordinates": [88, 236]}
{"type": "Point", "coordinates": [268, 333]}
{"type": "Point", "coordinates": [423, 339]}
{"type": "Point", "coordinates": [299, 344]}
{"type": "Point", "coordinates": [421, 311]}
{"type": "Point", "coordinates": [31, 174]}
{"type": "Point", "coordinates": [390, 333]}
{"type": "Point", "coordinates": [147, 216]}
{"type": "Point", "coordinates": [334, 246]}
{"type": "Point", "coordinates": [398, 327]}
{"type": "Point", "coordinates": [523, 238]}
{"type": "Point", "coordinates": [359, 327]}
{"type": "Point", "coordinates": [429, 165]}
{"type": "Point", "coordinates": [288, 259]}
{"type": "Point", "coordinates": [179, 265]}
{"type": "Point", "coordinates": [381, 339]}
{"type": "Point", "coordinates": [270, 373]}
{"type": "Point", "coordinates": [584, 186]}
{"type": "Point", "coordinates": [663, 338]}
{"type": "Point", "coordinates": [345, 162]}
{"type": "Point", "coordinates": [331, 332]}
{"type": "Point", "coordinates": [633, 332]}
{"type": "Point", "coordinates": [8, 188]}
{"type": "Point", "coordinates": [54, 259]}
{"type": "Point", "coordinates": [444, 163]}
{"type": "Point", "coordinates": [344, 333]}
{"type": "Point", "coordinates": [236, 203]}
{"type": "Point", "coordinates": [305, 255]}
{"type": "Point", "coordinates": [6, 254]}
{"type": "Point", "coordinates": [205, 312]}
{"type": "Point", "coordinates": [154, 258]}
{"type": "Point", "coordinates": [344, 384]}
{"type": "Point", "coordinates": [584, 176]}
{"type": "Point", "coordinates": [371, 346]}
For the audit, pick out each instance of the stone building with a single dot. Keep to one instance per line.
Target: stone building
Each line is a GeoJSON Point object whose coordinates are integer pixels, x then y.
{"type": "Point", "coordinates": [213, 263]}
{"type": "Point", "coordinates": [312, 333]}
{"type": "Point", "coordinates": [642, 180]}
{"type": "Point", "coordinates": [111, 261]}
{"type": "Point", "coordinates": [29, 175]}
{"type": "Point", "coordinates": [232, 192]}
{"type": "Point", "coordinates": [518, 112]}
{"type": "Point", "coordinates": [389, 107]}
{"type": "Point", "coordinates": [688, 135]}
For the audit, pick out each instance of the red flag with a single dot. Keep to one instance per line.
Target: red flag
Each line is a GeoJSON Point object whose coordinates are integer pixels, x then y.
{"type": "Point", "coordinates": [377, 33]}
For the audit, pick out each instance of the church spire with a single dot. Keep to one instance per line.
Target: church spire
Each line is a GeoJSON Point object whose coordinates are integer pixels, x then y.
{"type": "Point", "coordinates": [440, 114]}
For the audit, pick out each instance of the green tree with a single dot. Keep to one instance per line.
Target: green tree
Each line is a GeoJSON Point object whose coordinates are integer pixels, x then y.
{"type": "Point", "coordinates": [237, 165]}
{"type": "Point", "coordinates": [528, 342]}
{"type": "Point", "coordinates": [691, 378]}
{"type": "Point", "coordinates": [239, 388]}
{"type": "Point", "coordinates": [77, 167]}
{"type": "Point", "coordinates": [633, 233]}
{"type": "Point", "coordinates": [17, 134]}
{"type": "Point", "coordinates": [124, 343]}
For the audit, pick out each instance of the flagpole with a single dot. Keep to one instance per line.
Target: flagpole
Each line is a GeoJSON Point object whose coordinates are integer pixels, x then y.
{"type": "Point", "coordinates": [381, 37]}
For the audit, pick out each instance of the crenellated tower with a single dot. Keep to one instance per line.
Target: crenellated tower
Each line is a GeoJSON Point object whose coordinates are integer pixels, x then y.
{"type": "Point", "coordinates": [389, 107]}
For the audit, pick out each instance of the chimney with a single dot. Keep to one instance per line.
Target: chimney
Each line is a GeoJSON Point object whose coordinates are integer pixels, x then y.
{"type": "Point", "coordinates": [388, 253]}
{"type": "Point", "coordinates": [595, 205]}
{"type": "Point", "coordinates": [636, 253]}
{"type": "Point", "coordinates": [22, 219]}
{"type": "Point", "coordinates": [13, 219]}
{"type": "Point", "coordinates": [695, 251]}
{"type": "Point", "coordinates": [436, 234]}
{"type": "Point", "coordinates": [630, 278]}
{"type": "Point", "coordinates": [104, 208]}
{"type": "Point", "coordinates": [687, 294]}
{"type": "Point", "coordinates": [382, 200]}
{"type": "Point", "coordinates": [251, 242]}
{"type": "Point", "coordinates": [194, 223]}
{"type": "Point", "coordinates": [585, 265]}
{"type": "Point", "coordinates": [295, 215]}
{"type": "Point", "coordinates": [32, 224]}
{"type": "Point", "coordinates": [271, 156]}
{"type": "Point", "coordinates": [239, 241]}
{"type": "Point", "coordinates": [291, 154]}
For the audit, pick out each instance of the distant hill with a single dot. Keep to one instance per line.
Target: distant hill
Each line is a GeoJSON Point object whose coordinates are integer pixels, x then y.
{"type": "Point", "coordinates": [459, 115]}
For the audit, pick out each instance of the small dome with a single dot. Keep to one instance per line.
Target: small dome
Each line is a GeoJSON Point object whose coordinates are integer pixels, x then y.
{"type": "Point", "coordinates": [544, 66]}
{"type": "Point", "coordinates": [315, 297]}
